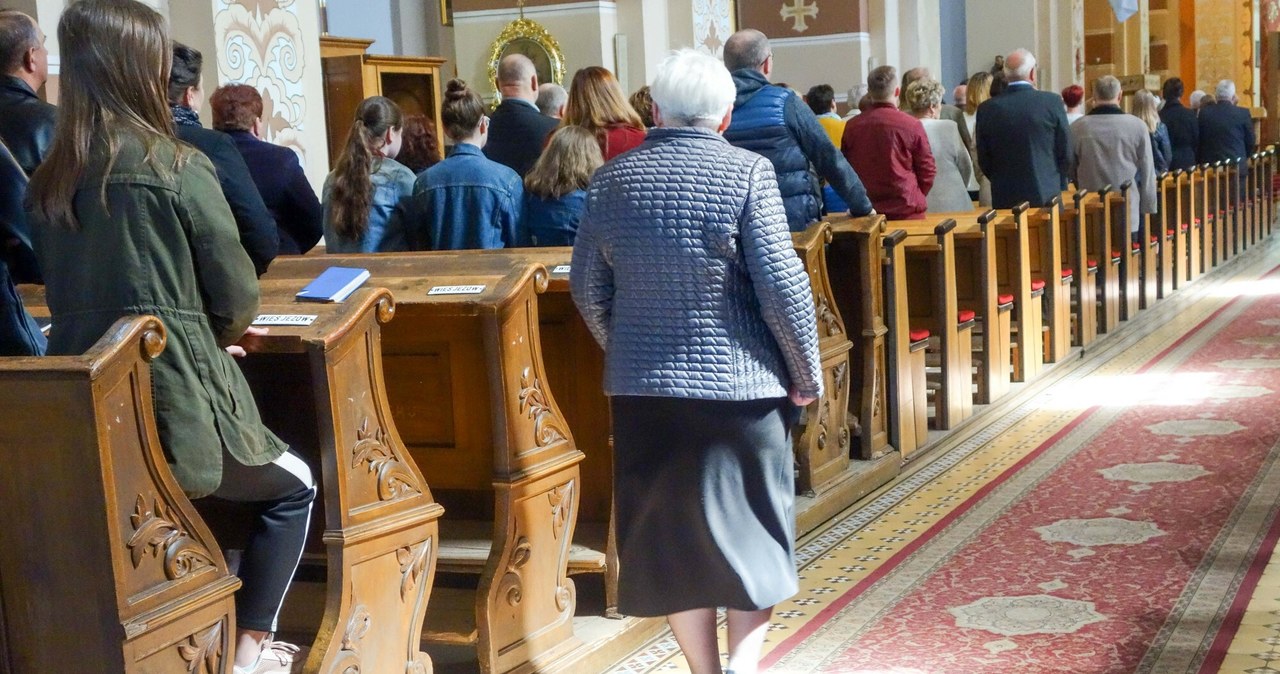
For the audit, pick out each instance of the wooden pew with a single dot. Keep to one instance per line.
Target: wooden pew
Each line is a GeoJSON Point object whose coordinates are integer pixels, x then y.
{"type": "Point", "coordinates": [1099, 232]}
{"type": "Point", "coordinates": [853, 282]}
{"type": "Point", "coordinates": [1173, 251]}
{"type": "Point", "coordinates": [321, 388]}
{"type": "Point", "coordinates": [1019, 275]}
{"type": "Point", "coordinates": [930, 297]}
{"type": "Point", "coordinates": [1215, 223]}
{"type": "Point", "coordinates": [467, 387]}
{"type": "Point", "coordinates": [908, 392]}
{"type": "Point", "coordinates": [1126, 254]}
{"type": "Point", "coordinates": [1194, 213]}
{"type": "Point", "coordinates": [108, 567]}
{"type": "Point", "coordinates": [1075, 244]}
{"type": "Point", "coordinates": [1048, 265]}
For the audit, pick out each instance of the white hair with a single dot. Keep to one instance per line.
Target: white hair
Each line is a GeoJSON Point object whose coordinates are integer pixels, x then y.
{"type": "Point", "coordinates": [692, 89]}
{"type": "Point", "coordinates": [1196, 97]}
{"type": "Point", "coordinates": [1225, 91]}
{"type": "Point", "coordinates": [1023, 72]}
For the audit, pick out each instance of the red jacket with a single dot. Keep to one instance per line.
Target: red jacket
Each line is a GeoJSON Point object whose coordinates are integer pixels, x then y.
{"type": "Point", "coordinates": [619, 138]}
{"type": "Point", "coordinates": [890, 151]}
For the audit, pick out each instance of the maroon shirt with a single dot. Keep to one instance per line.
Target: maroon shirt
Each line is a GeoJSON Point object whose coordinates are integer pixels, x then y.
{"type": "Point", "coordinates": [890, 152]}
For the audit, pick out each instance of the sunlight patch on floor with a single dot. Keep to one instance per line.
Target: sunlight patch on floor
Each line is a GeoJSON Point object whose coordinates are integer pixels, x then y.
{"type": "Point", "coordinates": [1246, 288]}
{"type": "Point", "coordinates": [1133, 390]}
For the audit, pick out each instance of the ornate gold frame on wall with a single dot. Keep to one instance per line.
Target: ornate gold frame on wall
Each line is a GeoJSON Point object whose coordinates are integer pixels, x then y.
{"type": "Point", "coordinates": [528, 32]}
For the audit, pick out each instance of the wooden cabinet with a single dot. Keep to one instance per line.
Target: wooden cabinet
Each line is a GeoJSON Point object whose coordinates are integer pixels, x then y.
{"type": "Point", "coordinates": [351, 75]}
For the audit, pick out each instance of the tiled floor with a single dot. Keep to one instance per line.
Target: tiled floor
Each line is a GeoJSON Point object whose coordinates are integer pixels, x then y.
{"type": "Point", "coordinates": [858, 542]}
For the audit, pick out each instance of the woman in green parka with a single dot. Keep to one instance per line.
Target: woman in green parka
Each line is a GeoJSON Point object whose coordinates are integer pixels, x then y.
{"type": "Point", "coordinates": [128, 220]}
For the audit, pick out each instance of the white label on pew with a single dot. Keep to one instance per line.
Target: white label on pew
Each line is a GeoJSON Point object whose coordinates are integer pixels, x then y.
{"type": "Point", "coordinates": [456, 290]}
{"type": "Point", "coordinates": [285, 319]}
{"type": "Point", "coordinates": [561, 269]}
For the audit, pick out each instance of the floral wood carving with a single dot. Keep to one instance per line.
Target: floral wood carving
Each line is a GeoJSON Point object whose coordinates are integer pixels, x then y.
{"type": "Point", "coordinates": [348, 659]}
{"type": "Point", "coordinates": [413, 565]}
{"type": "Point", "coordinates": [156, 530]}
{"type": "Point", "coordinates": [533, 404]}
{"type": "Point", "coordinates": [824, 418]}
{"type": "Point", "coordinates": [561, 504]}
{"type": "Point", "coordinates": [840, 375]}
{"type": "Point", "coordinates": [827, 317]}
{"type": "Point", "coordinates": [511, 585]}
{"type": "Point", "coordinates": [395, 480]}
{"type": "Point", "coordinates": [203, 653]}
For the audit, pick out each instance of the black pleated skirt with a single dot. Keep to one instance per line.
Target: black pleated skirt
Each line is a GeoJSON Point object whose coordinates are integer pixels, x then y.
{"type": "Point", "coordinates": [704, 493]}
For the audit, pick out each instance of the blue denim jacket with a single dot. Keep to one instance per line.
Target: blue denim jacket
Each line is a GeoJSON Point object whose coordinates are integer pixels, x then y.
{"type": "Point", "coordinates": [392, 184]}
{"type": "Point", "coordinates": [467, 201]}
{"type": "Point", "coordinates": [553, 222]}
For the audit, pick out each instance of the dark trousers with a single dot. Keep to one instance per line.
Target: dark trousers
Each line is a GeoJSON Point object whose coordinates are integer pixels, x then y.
{"type": "Point", "coordinates": [280, 495]}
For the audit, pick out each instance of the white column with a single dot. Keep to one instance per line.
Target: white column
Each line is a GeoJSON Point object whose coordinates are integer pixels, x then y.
{"type": "Point", "coordinates": [883, 19]}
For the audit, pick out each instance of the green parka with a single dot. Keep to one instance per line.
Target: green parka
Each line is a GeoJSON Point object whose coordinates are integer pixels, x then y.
{"type": "Point", "coordinates": [163, 242]}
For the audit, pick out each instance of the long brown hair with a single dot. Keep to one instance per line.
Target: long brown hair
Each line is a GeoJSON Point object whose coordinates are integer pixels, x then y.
{"type": "Point", "coordinates": [113, 83]}
{"type": "Point", "coordinates": [351, 188]}
{"type": "Point", "coordinates": [571, 156]}
{"type": "Point", "coordinates": [596, 102]}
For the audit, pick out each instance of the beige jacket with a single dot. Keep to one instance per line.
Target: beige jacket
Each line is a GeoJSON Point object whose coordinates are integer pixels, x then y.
{"type": "Point", "coordinates": [1110, 147]}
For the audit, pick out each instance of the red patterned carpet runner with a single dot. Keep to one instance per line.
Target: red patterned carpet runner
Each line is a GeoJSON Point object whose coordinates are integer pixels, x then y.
{"type": "Point", "coordinates": [1126, 543]}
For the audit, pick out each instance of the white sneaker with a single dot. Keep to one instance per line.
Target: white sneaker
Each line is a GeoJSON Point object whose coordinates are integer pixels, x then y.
{"type": "Point", "coordinates": [276, 657]}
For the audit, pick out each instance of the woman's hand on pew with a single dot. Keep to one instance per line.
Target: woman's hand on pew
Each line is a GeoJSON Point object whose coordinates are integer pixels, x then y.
{"type": "Point", "coordinates": [800, 400]}
{"type": "Point", "coordinates": [250, 332]}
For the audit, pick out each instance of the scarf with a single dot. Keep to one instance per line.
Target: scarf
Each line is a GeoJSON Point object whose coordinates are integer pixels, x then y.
{"type": "Point", "coordinates": [184, 116]}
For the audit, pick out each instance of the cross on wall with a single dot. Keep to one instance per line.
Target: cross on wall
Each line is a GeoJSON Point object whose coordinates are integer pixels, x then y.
{"type": "Point", "coordinates": [798, 12]}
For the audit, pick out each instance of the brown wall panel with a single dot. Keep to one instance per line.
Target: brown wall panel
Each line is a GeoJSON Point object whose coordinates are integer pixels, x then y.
{"type": "Point", "coordinates": [833, 16]}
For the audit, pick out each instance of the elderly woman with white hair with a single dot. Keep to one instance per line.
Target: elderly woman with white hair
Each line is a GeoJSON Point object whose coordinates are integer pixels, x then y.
{"type": "Point", "coordinates": [684, 272]}
{"type": "Point", "coordinates": [952, 183]}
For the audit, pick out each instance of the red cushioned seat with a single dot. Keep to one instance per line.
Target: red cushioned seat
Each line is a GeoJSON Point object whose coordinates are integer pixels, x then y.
{"type": "Point", "coordinates": [1115, 255]}
{"type": "Point", "coordinates": [1004, 299]}
{"type": "Point", "coordinates": [1197, 220]}
{"type": "Point", "coordinates": [1168, 232]}
{"type": "Point", "coordinates": [1137, 246]}
{"type": "Point", "coordinates": [1154, 239]}
{"type": "Point", "coordinates": [918, 334]}
{"type": "Point", "coordinates": [1092, 263]}
{"type": "Point", "coordinates": [1185, 227]}
{"type": "Point", "coordinates": [966, 315]}
{"type": "Point", "coordinates": [1037, 285]}
{"type": "Point", "coordinates": [1068, 272]}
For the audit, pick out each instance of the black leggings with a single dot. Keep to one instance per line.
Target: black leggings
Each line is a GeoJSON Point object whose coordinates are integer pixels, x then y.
{"type": "Point", "coordinates": [280, 493]}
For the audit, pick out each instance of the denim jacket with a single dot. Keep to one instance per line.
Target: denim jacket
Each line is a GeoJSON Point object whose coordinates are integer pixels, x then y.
{"type": "Point", "coordinates": [467, 201]}
{"type": "Point", "coordinates": [553, 222]}
{"type": "Point", "coordinates": [392, 183]}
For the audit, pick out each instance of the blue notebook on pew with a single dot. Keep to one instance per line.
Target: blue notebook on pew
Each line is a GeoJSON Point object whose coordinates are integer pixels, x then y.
{"type": "Point", "coordinates": [334, 285]}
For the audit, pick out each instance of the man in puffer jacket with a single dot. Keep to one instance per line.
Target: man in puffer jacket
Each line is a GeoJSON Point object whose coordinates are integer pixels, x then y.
{"type": "Point", "coordinates": [774, 122]}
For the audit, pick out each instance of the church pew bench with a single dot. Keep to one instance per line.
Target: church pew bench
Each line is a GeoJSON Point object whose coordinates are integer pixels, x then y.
{"type": "Point", "coordinates": [1168, 222]}
{"type": "Point", "coordinates": [908, 392]}
{"type": "Point", "coordinates": [467, 387]}
{"type": "Point", "coordinates": [1099, 232]}
{"type": "Point", "coordinates": [1215, 224]}
{"type": "Point", "coordinates": [932, 307]}
{"type": "Point", "coordinates": [109, 568]}
{"type": "Point", "coordinates": [1192, 214]}
{"type": "Point", "coordinates": [854, 284]}
{"type": "Point", "coordinates": [1150, 252]}
{"type": "Point", "coordinates": [1050, 271]}
{"type": "Point", "coordinates": [976, 291]}
{"type": "Point", "coordinates": [1073, 226]}
{"type": "Point", "coordinates": [322, 388]}
{"type": "Point", "coordinates": [1018, 276]}
{"type": "Point", "coordinates": [1126, 252]}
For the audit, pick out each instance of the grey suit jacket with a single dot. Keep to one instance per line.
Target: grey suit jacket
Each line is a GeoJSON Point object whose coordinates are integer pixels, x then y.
{"type": "Point", "coordinates": [1110, 147]}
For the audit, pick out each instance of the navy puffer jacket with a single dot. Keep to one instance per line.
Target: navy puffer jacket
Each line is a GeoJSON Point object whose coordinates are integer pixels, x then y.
{"type": "Point", "coordinates": [774, 122]}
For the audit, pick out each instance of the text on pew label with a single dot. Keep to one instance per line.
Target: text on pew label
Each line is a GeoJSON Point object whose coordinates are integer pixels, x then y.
{"type": "Point", "coordinates": [285, 319]}
{"type": "Point", "coordinates": [456, 290]}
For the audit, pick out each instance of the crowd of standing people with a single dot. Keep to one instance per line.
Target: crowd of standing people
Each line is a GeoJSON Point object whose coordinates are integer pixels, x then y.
{"type": "Point", "coordinates": [679, 202]}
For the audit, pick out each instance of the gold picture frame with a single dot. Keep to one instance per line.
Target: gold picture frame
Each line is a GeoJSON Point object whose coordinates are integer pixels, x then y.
{"type": "Point", "coordinates": [528, 37]}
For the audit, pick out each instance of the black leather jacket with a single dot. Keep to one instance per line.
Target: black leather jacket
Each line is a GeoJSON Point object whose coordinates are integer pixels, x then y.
{"type": "Point", "coordinates": [26, 123]}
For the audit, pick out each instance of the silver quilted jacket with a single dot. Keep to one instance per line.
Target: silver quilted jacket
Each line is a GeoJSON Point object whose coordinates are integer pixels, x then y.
{"type": "Point", "coordinates": [683, 270]}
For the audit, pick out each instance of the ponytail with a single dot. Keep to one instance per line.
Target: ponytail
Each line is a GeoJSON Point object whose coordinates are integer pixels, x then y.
{"type": "Point", "coordinates": [351, 189]}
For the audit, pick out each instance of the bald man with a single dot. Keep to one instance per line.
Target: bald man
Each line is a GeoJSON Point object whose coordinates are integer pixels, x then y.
{"type": "Point", "coordinates": [26, 122]}
{"type": "Point", "coordinates": [1024, 146]}
{"type": "Point", "coordinates": [517, 129]}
